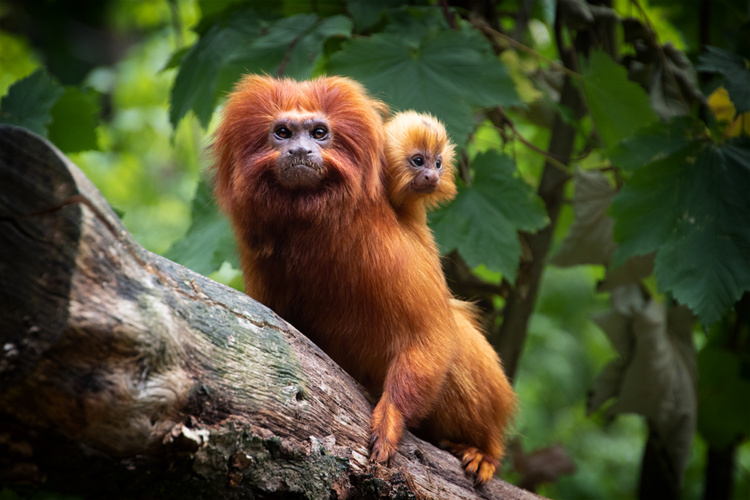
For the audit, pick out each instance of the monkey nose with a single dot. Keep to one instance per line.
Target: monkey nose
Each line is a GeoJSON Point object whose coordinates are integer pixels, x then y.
{"type": "Point", "coordinates": [299, 152]}
{"type": "Point", "coordinates": [431, 176]}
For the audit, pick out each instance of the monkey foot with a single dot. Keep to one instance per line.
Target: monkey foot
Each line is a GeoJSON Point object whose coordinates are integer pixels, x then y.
{"type": "Point", "coordinates": [382, 448]}
{"type": "Point", "coordinates": [476, 463]}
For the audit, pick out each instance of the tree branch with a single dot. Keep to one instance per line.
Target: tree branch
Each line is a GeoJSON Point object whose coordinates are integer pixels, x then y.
{"type": "Point", "coordinates": [125, 375]}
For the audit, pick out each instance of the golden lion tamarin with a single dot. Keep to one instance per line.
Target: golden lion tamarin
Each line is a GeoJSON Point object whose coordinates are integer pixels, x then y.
{"type": "Point", "coordinates": [300, 170]}
{"type": "Point", "coordinates": [476, 401]}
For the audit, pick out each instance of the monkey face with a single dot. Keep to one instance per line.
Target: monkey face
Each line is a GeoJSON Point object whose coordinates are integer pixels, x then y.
{"type": "Point", "coordinates": [299, 141]}
{"type": "Point", "coordinates": [426, 168]}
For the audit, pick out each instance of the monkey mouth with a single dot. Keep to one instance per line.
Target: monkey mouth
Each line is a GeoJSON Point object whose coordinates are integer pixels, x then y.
{"type": "Point", "coordinates": [423, 187]}
{"type": "Point", "coordinates": [304, 165]}
{"type": "Point", "coordinates": [301, 174]}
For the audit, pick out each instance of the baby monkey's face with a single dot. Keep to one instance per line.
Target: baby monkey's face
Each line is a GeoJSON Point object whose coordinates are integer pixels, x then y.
{"type": "Point", "coordinates": [427, 168]}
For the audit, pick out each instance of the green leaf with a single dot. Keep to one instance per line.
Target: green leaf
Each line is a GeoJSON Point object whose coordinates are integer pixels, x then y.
{"type": "Point", "coordinates": [724, 414]}
{"type": "Point", "coordinates": [195, 87]}
{"type": "Point", "coordinates": [655, 141]}
{"type": "Point", "coordinates": [693, 209]}
{"type": "Point", "coordinates": [29, 102]}
{"type": "Point", "coordinates": [735, 71]}
{"type": "Point", "coordinates": [74, 120]}
{"type": "Point", "coordinates": [242, 44]}
{"type": "Point", "coordinates": [366, 13]}
{"type": "Point", "coordinates": [292, 46]}
{"type": "Point", "coordinates": [618, 106]}
{"type": "Point", "coordinates": [646, 208]}
{"type": "Point", "coordinates": [484, 220]}
{"type": "Point", "coordinates": [210, 9]}
{"type": "Point", "coordinates": [444, 73]}
{"type": "Point", "coordinates": [209, 240]}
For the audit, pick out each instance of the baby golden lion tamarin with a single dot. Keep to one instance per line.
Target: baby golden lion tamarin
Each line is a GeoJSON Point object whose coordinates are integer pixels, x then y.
{"type": "Point", "coordinates": [477, 401]}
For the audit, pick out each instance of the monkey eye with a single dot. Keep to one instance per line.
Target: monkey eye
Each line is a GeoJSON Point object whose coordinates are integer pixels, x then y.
{"type": "Point", "coordinates": [439, 164]}
{"type": "Point", "coordinates": [417, 161]}
{"type": "Point", "coordinates": [282, 133]}
{"type": "Point", "coordinates": [319, 133]}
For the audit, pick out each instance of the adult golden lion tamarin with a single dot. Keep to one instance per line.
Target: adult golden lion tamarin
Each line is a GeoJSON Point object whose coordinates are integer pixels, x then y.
{"type": "Point", "coordinates": [300, 172]}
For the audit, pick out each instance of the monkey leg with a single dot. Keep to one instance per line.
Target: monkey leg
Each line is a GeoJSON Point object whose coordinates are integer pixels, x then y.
{"type": "Point", "coordinates": [410, 391]}
{"type": "Point", "coordinates": [387, 428]}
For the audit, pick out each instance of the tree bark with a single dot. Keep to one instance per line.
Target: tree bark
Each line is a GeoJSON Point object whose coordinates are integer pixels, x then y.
{"type": "Point", "coordinates": [125, 375]}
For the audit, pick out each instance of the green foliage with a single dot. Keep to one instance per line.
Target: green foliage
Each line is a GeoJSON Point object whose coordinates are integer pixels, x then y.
{"type": "Point", "coordinates": [656, 141]}
{"type": "Point", "coordinates": [618, 106]}
{"type": "Point", "coordinates": [195, 87]}
{"type": "Point", "coordinates": [16, 60]}
{"type": "Point", "coordinates": [724, 416]}
{"type": "Point", "coordinates": [734, 71]}
{"type": "Point", "coordinates": [68, 116]}
{"type": "Point", "coordinates": [29, 102]}
{"type": "Point", "coordinates": [700, 194]}
{"type": "Point", "coordinates": [655, 205]}
{"type": "Point", "coordinates": [74, 120]}
{"type": "Point", "coordinates": [483, 221]}
{"type": "Point", "coordinates": [366, 13]}
{"type": "Point", "coordinates": [290, 46]}
{"type": "Point", "coordinates": [208, 241]}
{"type": "Point", "coordinates": [444, 72]}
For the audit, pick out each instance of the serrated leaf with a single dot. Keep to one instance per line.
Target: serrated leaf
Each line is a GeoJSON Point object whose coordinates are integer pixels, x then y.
{"type": "Point", "coordinates": [291, 46]}
{"type": "Point", "coordinates": [208, 241]}
{"type": "Point", "coordinates": [693, 210]}
{"type": "Point", "coordinates": [367, 12]}
{"type": "Point", "coordinates": [618, 106]}
{"type": "Point", "coordinates": [724, 415]}
{"type": "Point", "coordinates": [646, 208]}
{"type": "Point", "coordinates": [590, 239]}
{"type": "Point", "coordinates": [74, 120]}
{"type": "Point", "coordinates": [29, 102]}
{"type": "Point", "coordinates": [412, 23]}
{"type": "Point", "coordinates": [445, 73]}
{"type": "Point", "coordinates": [705, 263]}
{"type": "Point", "coordinates": [655, 141]}
{"type": "Point", "coordinates": [484, 219]}
{"type": "Point", "coordinates": [195, 86]}
{"type": "Point", "coordinates": [735, 71]}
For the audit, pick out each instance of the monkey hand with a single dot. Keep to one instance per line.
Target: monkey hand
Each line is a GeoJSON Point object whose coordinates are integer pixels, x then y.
{"type": "Point", "coordinates": [387, 429]}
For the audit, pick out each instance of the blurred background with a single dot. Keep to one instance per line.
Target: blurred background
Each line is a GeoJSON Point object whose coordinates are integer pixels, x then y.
{"type": "Point", "coordinates": [588, 133]}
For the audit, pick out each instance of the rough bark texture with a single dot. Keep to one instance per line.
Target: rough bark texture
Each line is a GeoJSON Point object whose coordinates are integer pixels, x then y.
{"type": "Point", "coordinates": [125, 375]}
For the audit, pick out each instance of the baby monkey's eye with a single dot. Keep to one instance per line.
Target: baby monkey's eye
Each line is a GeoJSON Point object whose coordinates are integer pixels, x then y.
{"type": "Point", "coordinates": [282, 133]}
{"type": "Point", "coordinates": [319, 133]}
{"type": "Point", "coordinates": [417, 160]}
{"type": "Point", "coordinates": [439, 164]}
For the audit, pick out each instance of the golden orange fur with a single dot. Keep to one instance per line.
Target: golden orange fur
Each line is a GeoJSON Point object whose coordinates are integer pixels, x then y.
{"type": "Point", "coordinates": [332, 258]}
{"type": "Point", "coordinates": [407, 134]}
{"type": "Point", "coordinates": [476, 402]}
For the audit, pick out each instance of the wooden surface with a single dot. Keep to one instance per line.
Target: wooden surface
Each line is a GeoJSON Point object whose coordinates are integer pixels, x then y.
{"type": "Point", "coordinates": [125, 375]}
